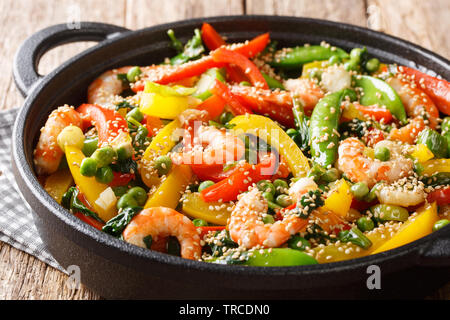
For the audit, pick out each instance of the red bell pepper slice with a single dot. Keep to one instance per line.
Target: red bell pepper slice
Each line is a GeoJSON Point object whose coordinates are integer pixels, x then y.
{"type": "Point", "coordinates": [108, 122]}
{"type": "Point", "coordinates": [121, 179]}
{"type": "Point", "coordinates": [276, 105]}
{"type": "Point", "coordinates": [168, 74]}
{"type": "Point", "coordinates": [437, 89]}
{"type": "Point", "coordinates": [440, 196]}
{"type": "Point", "coordinates": [205, 230]}
{"type": "Point", "coordinates": [211, 38]}
{"type": "Point", "coordinates": [153, 124]}
{"type": "Point", "coordinates": [89, 220]}
{"type": "Point", "coordinates": [220, 89]}
{"type": "Point", "coordinates": [228, 189]}
{"type": "Point", "coordinates": [214, 173]}
{"type": "Point", "coordinates": [375, 112]}
{"type": "Point", "coordinates": [223, 55]}
{"type": "Point", "coordinates": [214, 105]}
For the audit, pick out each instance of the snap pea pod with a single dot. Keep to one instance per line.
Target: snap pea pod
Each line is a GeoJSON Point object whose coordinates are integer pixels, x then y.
{"type": "Point", "coordinates": [438, 179]}
{"type": "Point", "coordinates": [324, 125]}
{"type": "Point", "coordinates": [434, 141]}
{"type": "Point", "coordinates": [207, 81]}
{"type": "Point", "coordinates": [296, 57]}
{"type": "Point", "coordinates": [445, 130]}
{"type": "Point", "coordinates": [387, 212]}
{"type": "Point", "coordinates": [377, 91]}
{"type": "Point", "coordinates": [279, 257]}
{"type": "Point", "coordinates": [355, 236]}
{"type": "Point", "coordinates": [272, 82]}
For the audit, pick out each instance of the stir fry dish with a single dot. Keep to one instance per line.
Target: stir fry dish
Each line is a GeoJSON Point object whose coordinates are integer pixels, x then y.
{"type": "Point", "coordinates": [252, 154]}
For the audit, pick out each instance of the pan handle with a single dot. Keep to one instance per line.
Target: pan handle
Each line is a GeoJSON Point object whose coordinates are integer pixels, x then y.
{"type": "Point", "coordinates": [30, 52]}
{"type": "Point", "coordinates": [437, 252]}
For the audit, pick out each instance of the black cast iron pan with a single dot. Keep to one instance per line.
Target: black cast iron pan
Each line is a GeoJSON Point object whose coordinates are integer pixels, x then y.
{"type": "Point", "coordinates": [116, 269]}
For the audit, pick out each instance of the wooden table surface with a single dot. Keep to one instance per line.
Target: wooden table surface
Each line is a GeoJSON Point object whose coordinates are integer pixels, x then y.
{"type": "Point", "coordinates": [423, 22]}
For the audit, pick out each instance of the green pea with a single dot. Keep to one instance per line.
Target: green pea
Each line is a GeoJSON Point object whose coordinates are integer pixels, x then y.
{"type": "Point", "coordinates": [372, 195]}
{"type": "Point", "coordinates": [204, 185]}
{"type": "Point", "coordinates": [291, 132]}
{"type": "Point", "coordinates": [245, 84]}
{"type": "Point", "coordinates": [372, 65]}
{"type": "Point", "coordinates": [268, 219]}
{"type": "Point", "coordinates": [334, 60]}
{"type": "Point", "coordinates": [104, 175]}
{"type": "Point", "coordinates": [365, 224]}
{"type": "Point", "coordinates": [387, 212]}
{"type": "Point", "coordinates": [88, 167]}
{"type": "Point", "coordinates": [359, 190]}
{"type": "Point", "coordinates": [351, 65]}
{"type": "Point", "coordinates": [226, 117]}
{"type": "Point", "coordinates": [89, 146]}
{"type": "Point", "coordinates": [163, 164]}
{"type": "Point", "coordinates": [133, 74]}
{"type": "Point", "coordinates": [316, 172]}
{"type": "Point", "coordinates": [382, 153]}
{"type": "Point", "coordinates": [440, 224]}
{"type": "Point", "coordinates": [268, 196]}
{"type": "Point", "coordinates": [283, 200]}
{"type": "Point", "coordinates": [104, 156]}
{"type": "Point", "coordinates": [331, 175]}
{"type": "Point", "coordinates": [273, 206]}
{"type": "Point", "coordinates": [281, 186]}
{"type": "Point", "coordinates": [120, 190]}
{"type": "Point", "coordinates": [127, 200]}
{"type": "Point", "coordinates": [200, 223]}
{"type": "Point", "coordinates": [298, 243]}
{"type": "Point", "coordinates": [266, 186]}
{"type": "Point", "coordinates": [357, 54]}
{"type": "Point", "coordinates": [139, 194]}
{"type": "Point", "coordinates": [136, 114]}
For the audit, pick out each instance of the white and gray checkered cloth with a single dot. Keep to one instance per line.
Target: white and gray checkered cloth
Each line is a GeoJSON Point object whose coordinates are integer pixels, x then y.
{"type": "Point", "coordinates": [16, 222]}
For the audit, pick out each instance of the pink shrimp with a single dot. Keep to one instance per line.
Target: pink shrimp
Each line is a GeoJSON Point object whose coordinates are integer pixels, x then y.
{"type": "Point", "coordinates": [211, 146]}
{"type": "Point", "coordinates": [48, 154]}
{"type": "Point", "coordinates": [248, 230]}
{"type": "Point", "coordinates": [160, 222]}
{"type": "Point", "coordinates": [106, 87]}
{"type": "Point", "coordinates": [359, 168]}
{"type": "Point", "coordinates": [307, 91]}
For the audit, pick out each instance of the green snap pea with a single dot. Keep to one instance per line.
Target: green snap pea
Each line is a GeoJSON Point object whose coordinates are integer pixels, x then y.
{"type": "Point", "coordinates": [323, 128]}
{"type": "Point", "coordinates": [204, 185]}
{"type": "Point", "coordinates": [163, 164]}
{"type": "Point", "coordinates": [291, 132]}
{"type": "Point", "coordinates": [200, 223]}
{"type": "Point", "coordinates": [268, 219]}
{"type": "Point", "coordinates": [136, 114]}
{"type": "Point", "coordinates": [438, 179]}
{"type": "Point", "coordinates": [334, 60]}
{"type": "Point", "coordinates": [245, 84]}
{"type": "Point", "coordinates": [298, 243]}
{"type": "Point", "coordinates": [206, 82]}
{"type": "Point", "coordinates": [445, 131]}
{"type": "Point", "coordinates": [440, 224]}
{"type": "Point", "coordinates": [104, 175]}
{"type": "Point", "coordinates": [273, 206]}
{"type": "Point", "coordinates": [283, 200]}
{"type": "Point", "coordinates": [434, 141]}
{"type": "Point", "coordinates": [296, 57]}
{"type": "Point", "coordinates": [359, 190]}
{"type": "Point", "coordinates": [316, 172]}
{"type": "Point", "coordinates": [372, 65]}
{"type": "Point", "coordinates": [88, 167]}
{"type": "Point", "coordinates": [387, 212]}
{"type": "Point", "coordinates": [104, 156]}
{"type": "Point", "coordinates": [272, 82]}
{"type": "Point", "coordinates": [133, 74]}
{"type": "Point", "coordinates": [89, 146]}
{"type": "Point", "coordinates": [355, 236]}
{"type": "Point", "coordinates": [127, 200]}
{"type": "Point", "coordinates": [139, 194]}
{"type": "Point", "coordinates": [279, 257]}
{"type": "Point", "coordinates": [266, 186]}
{"type": "Point", "coordinates": [365, 224]}
{"type": "Point", "coordinates": [372, 195]}
{"type": "Point", "coordinates": [376, 91]}
{"type": "Point", "coordinates": [358, 54]}
{"type": "Point", "coordinates": [382, 153]}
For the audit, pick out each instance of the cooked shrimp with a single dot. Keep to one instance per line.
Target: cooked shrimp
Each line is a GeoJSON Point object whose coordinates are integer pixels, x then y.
{"type": "Point", "coordinates": [418, 106]}
{"type": "Point", "coordinates": [211, 146]}
{"type": "Point", "coordinates": [359, 168]}
{"type": "Point", "coordinates": [106, 87]}
{"type": "Point", "coordinates": [306, 91]}
{"type": "Point", "coordinates": [248, 230]}
{"type": "Point", "coordinates": [300, 187]}
{"type": "Point", "coordinates": [402, 196]}
{"type": "Point", "coordinates": [48, 154]}
{"type": "Point", "coordinates": [160, 222]}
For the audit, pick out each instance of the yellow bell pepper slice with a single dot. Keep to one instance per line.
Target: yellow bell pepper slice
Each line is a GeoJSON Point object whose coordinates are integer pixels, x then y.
{"type": "Point", "coordinates": [415, 228]}
{"type": "Point", "coordinates": [308, 67]}
{"type": "Point", "coordinates": [169, 192]}
{"type": "Point", "coordinates": [89, 186]}
{"type": "Point", "coordinates": [350, 112]}
{"type": "Point", "coordinates": [269, 131]}
{"type": "Point", "coordinates": [435, 166]}
{"type": "Point", "coordinates": [58, 183]}
{"type": "Point", "coordinates": [212, 212]}
{"type": "Point", "coordinates": [340, 199]}
{"type": "Point", "coordinates": [422, 153]}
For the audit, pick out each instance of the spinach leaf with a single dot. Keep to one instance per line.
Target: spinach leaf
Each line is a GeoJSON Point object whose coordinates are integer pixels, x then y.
{"type": "Point", "coordinates": [125, 166]}
{"type": "Point", "coordinates": [116, 225]}
{"type": "Point", "coordinates": [71, 202]}
{"type": "Point", "coordinates": [191, 51]}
